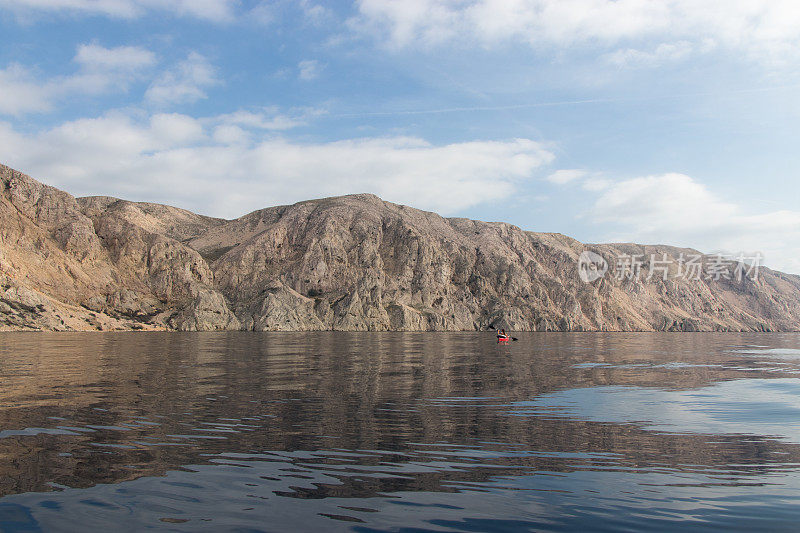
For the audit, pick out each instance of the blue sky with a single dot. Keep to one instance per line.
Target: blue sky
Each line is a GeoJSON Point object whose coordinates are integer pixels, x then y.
{"type": "Point", "coordinates": [658, 121]}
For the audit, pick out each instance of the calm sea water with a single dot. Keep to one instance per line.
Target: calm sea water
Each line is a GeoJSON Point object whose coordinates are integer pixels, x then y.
{"type": "Point", "coordinates": [399, 432]}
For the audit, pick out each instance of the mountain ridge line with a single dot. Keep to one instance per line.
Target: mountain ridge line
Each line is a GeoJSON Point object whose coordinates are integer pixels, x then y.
{"type": "Point", "coordinates": [349, 263]}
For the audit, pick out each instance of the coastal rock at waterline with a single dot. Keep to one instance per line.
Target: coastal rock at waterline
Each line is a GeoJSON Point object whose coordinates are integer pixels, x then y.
{"type": "Point", "coordinates": [98, 263]}
{"type": "Point", "coordinates": [206, 311]}
{"type": "Point", "coordinates": [349, 263]}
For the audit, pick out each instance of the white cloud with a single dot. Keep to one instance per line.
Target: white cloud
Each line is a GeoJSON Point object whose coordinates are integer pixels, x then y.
{"type": "Point", "coordinates": [93, 57]}
{"type": "Point", "coordinates": [213, 10]}
{"type": "Point", "coordinates": [20, 93]}
{"type": "Point", "coordinates": [263, 13]}
{"type": "Point", "coordinates": [765, 31]}
{"type": "Point", "coordinates": [185, 83]}
{"type": "Point", "coordinates": [173, 129]}
{"type": "Point", "coordinates": [267, 118]}
{"type": "Point", "coordinates": [100, 70]}
{"type": "Point", "coordinates": [561, 177]}
{"type": "Point", "coordinates": [211, 166]}
{"type": "Point", "coordinates": [113, 8]}
{"type": "Point", "coordinates": [230, 134]}
{"type": "Point", "coordinates": [315, 13]}
{"type": "Point", "coordinates": [309, 69]}
{"type": "Point", "coordinates": [595, 184]}
{"type": "Point", "coordinates": [663, 53]}
{"type": "Point", "coordinates": [107, 70]}
{"type": "Point", "coordinates": [104, 70]}
{"type": "Point", "coordinates": [675, 209]}
{"type": "Point", "coordinates": [674, 200]}
{"type": "Point", "coordinates": [588, 182]}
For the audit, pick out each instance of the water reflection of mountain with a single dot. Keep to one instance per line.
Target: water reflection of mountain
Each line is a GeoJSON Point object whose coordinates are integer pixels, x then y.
{"type": "Point", "coordinates": [427, 412]}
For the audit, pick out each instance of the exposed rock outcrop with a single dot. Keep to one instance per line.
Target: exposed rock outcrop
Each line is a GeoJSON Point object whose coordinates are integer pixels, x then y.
{"type": "Point", "coordinates": [347, 263]}
{"type": "Point", "coordinates": [100, 264]}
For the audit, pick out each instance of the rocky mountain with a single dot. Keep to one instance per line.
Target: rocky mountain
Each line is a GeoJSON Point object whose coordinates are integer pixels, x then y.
{"type": "Point", "coordinates": [348, 263]}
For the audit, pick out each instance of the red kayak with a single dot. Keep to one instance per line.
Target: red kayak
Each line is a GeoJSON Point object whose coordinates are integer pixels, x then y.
{"type": "Point", "coordinates": [503, 338]}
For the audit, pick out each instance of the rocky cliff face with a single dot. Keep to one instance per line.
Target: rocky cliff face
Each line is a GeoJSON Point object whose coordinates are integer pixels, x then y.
{"type": "Point", "coordinates": [347, 263]}
{"type": "Point", "coordinates": [100, 264]}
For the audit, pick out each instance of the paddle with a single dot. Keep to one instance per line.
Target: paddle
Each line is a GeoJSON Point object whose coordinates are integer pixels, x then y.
{"type": "Point", "coordinates": [493, 328]}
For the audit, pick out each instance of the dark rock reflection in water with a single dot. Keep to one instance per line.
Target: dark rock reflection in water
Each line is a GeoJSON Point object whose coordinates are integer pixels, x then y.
{"type": "Point", "coordinates": [386, 431]}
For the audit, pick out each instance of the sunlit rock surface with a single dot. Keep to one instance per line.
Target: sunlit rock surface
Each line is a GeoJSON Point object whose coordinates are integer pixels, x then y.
{"type": "Point", "coordinates": [348, 263]}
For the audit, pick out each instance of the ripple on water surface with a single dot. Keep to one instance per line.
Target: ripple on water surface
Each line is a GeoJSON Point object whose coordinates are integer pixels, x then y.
{"type": "Point", "coordinates": [378, 432]}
